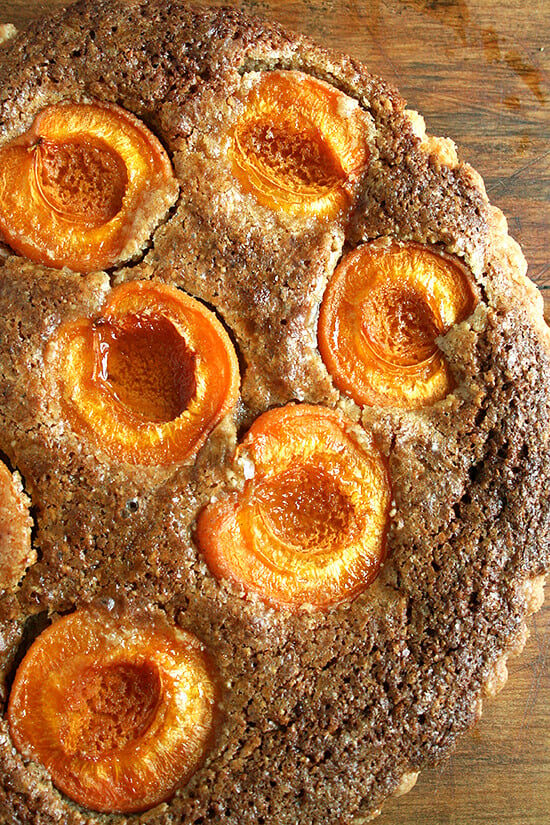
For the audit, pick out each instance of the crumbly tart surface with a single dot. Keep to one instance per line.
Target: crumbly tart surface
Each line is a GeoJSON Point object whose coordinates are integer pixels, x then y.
{"type": "Point", "coordinates": [320, 711]}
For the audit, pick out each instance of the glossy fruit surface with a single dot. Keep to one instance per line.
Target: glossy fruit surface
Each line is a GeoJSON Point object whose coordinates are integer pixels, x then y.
{"type": "Point", "coordinates": [150, 377]}
{"type": "Point", "coordinates": [309, 527]}
{"type": "Point", "coordinates": [84, 187]}
{"type": "Point", "coordinates": [16, 550]}
{"type": "Point", "coordinates": [381, 315]}
{"type": "Point", "coordinates": [299, 146]}
{"type": "Point", "coordinates": [119, 713]}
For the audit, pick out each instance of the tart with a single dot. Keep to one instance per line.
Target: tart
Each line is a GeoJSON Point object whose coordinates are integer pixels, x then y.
{"type": "Point", "coordinates": [274, 427]}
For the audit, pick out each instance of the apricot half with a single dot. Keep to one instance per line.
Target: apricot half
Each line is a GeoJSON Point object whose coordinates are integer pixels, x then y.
{"type": "Point", "coordinates": [381, 315]}
{"type": "Point", "coordinates": [309, 527]}
{"type": "Point", "coordinates": [84, 187]}
{"type": "Point", "coordinates": [299, 145]}
{"type": "Point", "coordinates": [150, 377]}
{"type": "Point", "coordinates": [120, 714]}
{"type": "Point", "coordinates": [16, 551]}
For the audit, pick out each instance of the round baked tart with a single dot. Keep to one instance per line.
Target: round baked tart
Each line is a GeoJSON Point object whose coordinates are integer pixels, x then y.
{"type": "Point", "coordinates": [273, 434]}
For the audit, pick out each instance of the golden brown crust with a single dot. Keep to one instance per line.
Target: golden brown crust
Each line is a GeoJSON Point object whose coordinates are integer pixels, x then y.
{"type": "Point", "coordinates": [7, 31]}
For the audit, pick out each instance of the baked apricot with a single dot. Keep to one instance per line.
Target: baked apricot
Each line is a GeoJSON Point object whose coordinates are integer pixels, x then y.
{"type": "Point", "coordinates": [16, 551]}
{"type": "Point", "coordinates": [309, 526]}
{"type": "Point", "coordinates": [119, 713]}
{"type": "Point", "coordinates": [299, 145]}
{"type": "Point", "coordinates": [381, 315]}
{"type": "Point", "coordinates": [150, 377]}
{"type": "Point", "coordinates": [84, 187]}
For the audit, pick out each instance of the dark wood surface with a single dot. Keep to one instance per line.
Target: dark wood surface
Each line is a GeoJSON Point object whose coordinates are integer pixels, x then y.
{"type": "Point", "coordinates": [479, 72]}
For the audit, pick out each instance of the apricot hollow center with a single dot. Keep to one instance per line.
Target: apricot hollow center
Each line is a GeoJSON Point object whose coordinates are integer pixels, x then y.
{"type": "Point", "coordinates": [147, 365]}
{"type": "Point", "coordinates": [83, 181]}
{"type": "Point", "coordinates": [399, 325]}
{"type": "Point", "coordinates": [110, 707]}
{"type": "Point", "coordinates": [294, 159]}
{"type": "Point", "coordinates": [305, 507]}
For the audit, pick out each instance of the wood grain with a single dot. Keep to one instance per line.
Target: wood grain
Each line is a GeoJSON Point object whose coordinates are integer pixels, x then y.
{"type": "Point", "coordinates": [480, 73]}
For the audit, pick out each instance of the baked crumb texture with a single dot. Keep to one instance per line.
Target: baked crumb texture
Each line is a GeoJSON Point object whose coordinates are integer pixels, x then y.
{"type": "Point", "coordinates": [320, 711]}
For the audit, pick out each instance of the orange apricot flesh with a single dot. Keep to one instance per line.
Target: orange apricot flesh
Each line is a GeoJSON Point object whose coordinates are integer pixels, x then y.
{"type": "Point", "coordinates": [120, 714]}
{"type": "Point", "coordinates": [381, 315]}
{"type": "Point", "coordinates": [149, 378]}
{"type": "Point", "coordinates": [299, 145]}
{"type": "Point", "coordinates": [309, 527]}
{"type": "Point", "coordinates": [84, 187]}
{"type": "Point", "coordinates": [16, 550]}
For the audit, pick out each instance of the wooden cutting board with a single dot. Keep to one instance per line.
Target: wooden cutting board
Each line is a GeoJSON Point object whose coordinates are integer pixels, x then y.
{"type": "Point", "coordinates": [479, 72]}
